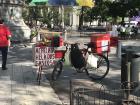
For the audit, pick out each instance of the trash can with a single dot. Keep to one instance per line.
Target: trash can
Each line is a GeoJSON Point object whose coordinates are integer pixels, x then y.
{"type": "Point", "coordinates": [135, 67]}
{"type": "Point", "coordinates": [130, 70]}
{"type": "Point", "coordinates": [126, 58]}
{"type": "Point", "coordinates": [130, 65]}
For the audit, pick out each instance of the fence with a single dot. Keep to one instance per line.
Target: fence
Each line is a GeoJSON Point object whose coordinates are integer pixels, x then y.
{"type": "Point", "coordinates": [100, 95]}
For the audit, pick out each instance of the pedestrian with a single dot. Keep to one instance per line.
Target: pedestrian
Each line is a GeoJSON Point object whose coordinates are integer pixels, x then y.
{"type": "Point", "coordinates": [135, 30]}
{"type": "Point", "coordinates": [114, 31]}
{"type": "Point", "coordinates": [122, 31]}
{"type": "Point", "coordinates": [128, 32]}
{"type": "Point", "coordinates": [5, 36]}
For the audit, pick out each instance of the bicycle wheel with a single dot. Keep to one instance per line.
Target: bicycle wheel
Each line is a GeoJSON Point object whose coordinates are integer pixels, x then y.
{"type": "Point", "coordinates": [57, 70]}
{"type": "Point", "coordinates": [101, 70]}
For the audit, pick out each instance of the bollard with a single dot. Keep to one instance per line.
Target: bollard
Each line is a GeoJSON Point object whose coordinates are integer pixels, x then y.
{"type": "Point", "coordinates": [119, 47]}
{"type": "Point", "coordinates": [135, 69]}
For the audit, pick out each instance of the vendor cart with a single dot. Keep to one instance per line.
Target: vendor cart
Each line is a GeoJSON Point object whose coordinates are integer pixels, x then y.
{"type": "Point", "coordinates": [46, 52]}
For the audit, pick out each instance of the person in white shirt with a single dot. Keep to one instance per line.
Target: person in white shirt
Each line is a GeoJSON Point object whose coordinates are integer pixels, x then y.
{"type": "Point", "coordinates": [122, 31]}
{"type": "Point", "coordinates": [114, 31]}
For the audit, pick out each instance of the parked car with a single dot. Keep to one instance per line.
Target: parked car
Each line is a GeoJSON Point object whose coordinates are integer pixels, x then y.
{"type": "Point", "coordinates": [131, 23]}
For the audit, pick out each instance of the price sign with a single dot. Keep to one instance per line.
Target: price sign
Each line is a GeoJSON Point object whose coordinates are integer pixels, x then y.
{"type": "Point", "coordinates": [44, 56]}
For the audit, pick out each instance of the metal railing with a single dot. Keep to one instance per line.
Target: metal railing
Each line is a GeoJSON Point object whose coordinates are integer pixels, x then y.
{"type": "Point", "coordinates": [100, 95]}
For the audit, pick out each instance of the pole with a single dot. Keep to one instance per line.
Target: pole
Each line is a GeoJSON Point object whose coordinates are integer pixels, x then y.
{"type": "Point", "coordinates": [62, 16]}
{"type": "Point", "coordinates": [65, 35]}
{"type": "Point", "coordinates": [129, 54]}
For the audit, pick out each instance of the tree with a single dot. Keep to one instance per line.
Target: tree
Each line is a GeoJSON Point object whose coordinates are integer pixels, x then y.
{"type": "Point", "coordinates": [99, 12]}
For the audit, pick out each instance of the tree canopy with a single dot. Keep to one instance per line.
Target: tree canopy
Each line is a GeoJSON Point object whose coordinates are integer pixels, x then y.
{"type": "Point", "coordinates": [102, 11]}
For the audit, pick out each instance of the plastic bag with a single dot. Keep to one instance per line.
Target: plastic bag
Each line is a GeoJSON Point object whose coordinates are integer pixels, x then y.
{"type": "Point", "coordinates": [92, 61]}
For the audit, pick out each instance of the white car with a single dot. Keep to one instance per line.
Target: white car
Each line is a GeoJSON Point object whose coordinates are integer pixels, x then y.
{"type": "Point", "coordinates": [131, 23]}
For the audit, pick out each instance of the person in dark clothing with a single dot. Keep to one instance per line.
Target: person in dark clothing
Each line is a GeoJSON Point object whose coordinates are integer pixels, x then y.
{"type": "Point", "coordinates": [134, 31]}
{"type": "Point", "coordinates": [5, 36]}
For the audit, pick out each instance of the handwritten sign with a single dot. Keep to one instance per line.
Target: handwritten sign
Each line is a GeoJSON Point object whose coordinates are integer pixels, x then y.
{"type": "Point", "coordinates": [44, 56]}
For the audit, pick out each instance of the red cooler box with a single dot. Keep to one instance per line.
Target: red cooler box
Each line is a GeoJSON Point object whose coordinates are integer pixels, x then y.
{"type": "Point", "coordinates": [101, 42]}
{"type": "Point", "coordinates": [60, 51]}
{"type": "Point", "coordinates": [59, 54]}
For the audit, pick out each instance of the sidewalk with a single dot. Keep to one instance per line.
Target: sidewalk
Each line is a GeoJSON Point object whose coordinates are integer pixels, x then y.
{"type": "Point", "coordinates": [19, 86]}
{"type": "Point", "coordinates": [18, 83]}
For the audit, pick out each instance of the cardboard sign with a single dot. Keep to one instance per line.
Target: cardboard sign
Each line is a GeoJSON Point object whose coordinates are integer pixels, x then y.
{"type": "Point", "coordinates": [44, 56]}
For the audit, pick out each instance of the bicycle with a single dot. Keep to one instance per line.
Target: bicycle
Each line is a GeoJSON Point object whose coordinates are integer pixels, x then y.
{"type": "Point", "coordinates": [91, 71]}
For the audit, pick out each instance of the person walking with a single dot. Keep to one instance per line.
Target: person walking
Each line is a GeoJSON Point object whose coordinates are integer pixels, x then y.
{"type": "Point", "coordinates": [5, 36]}
{"type": "Point", "coordinates": [122, 31]}
{"type": "Point", "coordinates": [128, 32]}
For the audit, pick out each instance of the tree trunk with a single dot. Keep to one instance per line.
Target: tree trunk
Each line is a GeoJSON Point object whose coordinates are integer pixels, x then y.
{"type": "Point", "coordinates": [123, 19]}
{"type": "Point", "coordinates": [81, 18]}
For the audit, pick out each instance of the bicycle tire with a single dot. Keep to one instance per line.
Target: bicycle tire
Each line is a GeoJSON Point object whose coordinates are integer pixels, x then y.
{"type": "Point", "coordinates": [102, 63]}
{"type": "Point", "coordinates": [57, 70]}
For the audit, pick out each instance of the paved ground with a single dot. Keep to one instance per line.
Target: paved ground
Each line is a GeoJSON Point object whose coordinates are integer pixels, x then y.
{"type": "Point", "coordinates": [18, 84]}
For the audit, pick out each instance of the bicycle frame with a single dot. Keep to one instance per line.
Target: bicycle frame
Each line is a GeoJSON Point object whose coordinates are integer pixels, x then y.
{"type": "Point", "coordinates": [84, 51]}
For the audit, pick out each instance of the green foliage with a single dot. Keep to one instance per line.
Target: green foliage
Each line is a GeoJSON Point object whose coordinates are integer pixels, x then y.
{"type": "Point", "coordinates": [104, 10]}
